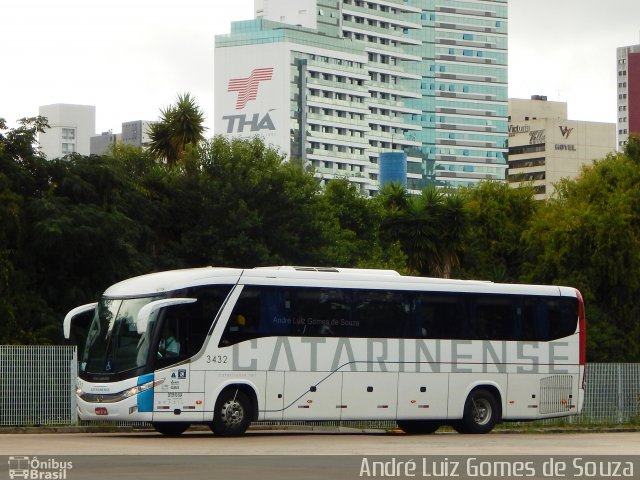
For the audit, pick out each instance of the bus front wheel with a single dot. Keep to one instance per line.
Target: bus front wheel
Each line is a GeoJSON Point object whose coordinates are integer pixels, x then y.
{"type": "Point", "coordinates": [232, 414]}
{"type": "Point", "coordinates": [418, 426]}
{"type": "Point", "coordinates": [481, 413]}
{"type": "Point", "coordinates": [171, 429]}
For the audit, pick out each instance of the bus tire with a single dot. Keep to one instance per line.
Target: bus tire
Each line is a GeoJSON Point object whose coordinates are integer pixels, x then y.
{"type": "Point", "coordinates": [416, 427]}
{"type": "Point", "coordinates": [481, 413]}
{"type": "Point", "coordinates": [171, 429]}
{"type": "Point", "coordinates": [232, 414]}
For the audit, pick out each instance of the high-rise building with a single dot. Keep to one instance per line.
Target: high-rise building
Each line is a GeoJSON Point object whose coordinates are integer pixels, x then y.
{"type": "Point", "coordinates": [544, 146]}
{"type": "Point", "coordinates": [100, 144]}
{"type": "Point", "coordinates": [628, 93]}
{"type": "Point", "coordinates": [134, 133]}
{"type": "Point", "coordinates": [71, 127]}
{"type": "Point", "coordinates": [336, 84]}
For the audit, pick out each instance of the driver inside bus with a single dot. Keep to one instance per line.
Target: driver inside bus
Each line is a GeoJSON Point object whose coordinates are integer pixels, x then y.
{"type": "Point", "coordinates": [169, 346]}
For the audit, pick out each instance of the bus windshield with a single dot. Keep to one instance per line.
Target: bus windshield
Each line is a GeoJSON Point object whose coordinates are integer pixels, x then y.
{"type": "Point", "coordinates": [113, 344]}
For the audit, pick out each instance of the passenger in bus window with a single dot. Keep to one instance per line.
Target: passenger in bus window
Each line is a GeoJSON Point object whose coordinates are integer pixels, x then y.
{"type": "Point", "coordinates": [238, 324]}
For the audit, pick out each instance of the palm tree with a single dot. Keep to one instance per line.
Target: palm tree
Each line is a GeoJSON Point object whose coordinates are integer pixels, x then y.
{"type": "Point", "coordinates": [179, 126]}
{"type": "Point", "coordinates": [394, 197]}
{"type": "Point", "coordinates": [429, 227]}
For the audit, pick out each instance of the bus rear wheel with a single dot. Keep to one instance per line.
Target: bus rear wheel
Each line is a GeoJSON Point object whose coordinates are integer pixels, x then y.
{"type": "Point", "coordinates": [481, 413]}
{"type": "Point", "coordinates": [232, 414]}
{"type": "Point", "coordinates": [171, 429]}
{"type": "Point", "coordinates": [416, 427]}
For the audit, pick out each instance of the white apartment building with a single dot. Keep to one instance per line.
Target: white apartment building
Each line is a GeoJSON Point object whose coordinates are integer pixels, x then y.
{"type": "Point", "coordinates": [71, 127]}
{"type": "Point", "coordinates": [544, 146]}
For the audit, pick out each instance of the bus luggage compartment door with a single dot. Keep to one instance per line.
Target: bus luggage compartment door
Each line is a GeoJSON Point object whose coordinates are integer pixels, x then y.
{"type": "Point", "coordinates": [369, 395]}
{"type": "Point", "coordinates": [423, 395]}
{"type": "Point", "coordinates": [312, 395]}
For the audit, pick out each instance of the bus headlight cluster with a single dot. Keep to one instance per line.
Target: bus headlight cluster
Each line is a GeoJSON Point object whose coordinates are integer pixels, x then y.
{"type": "Point", "coordinates": [138, 389]}
{"type": "Point", "coordinates": [116, 397]}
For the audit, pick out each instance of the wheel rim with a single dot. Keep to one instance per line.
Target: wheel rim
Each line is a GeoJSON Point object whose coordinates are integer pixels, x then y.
{"type": "Point", "coordinates": [232, 413]}
{"type": "Point", "coordinates": [481, 411]}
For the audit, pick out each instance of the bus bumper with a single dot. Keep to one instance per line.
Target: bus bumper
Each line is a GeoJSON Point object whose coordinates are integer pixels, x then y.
{"type": "Point", "coordinates": [124, 411]}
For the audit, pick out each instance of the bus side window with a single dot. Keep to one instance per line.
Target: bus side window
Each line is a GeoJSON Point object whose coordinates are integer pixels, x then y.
{"type": "Point", "coordinates": [442, 316]}
{"type": "Point", "coordinates": [243, 323]}
{"type": "Point", "coordinates": [378, 314]}
{"type": "Point", "coordinates": [275, 314]}
{"type": "Point", "coordinates": [563, 315]}
{"type": "Point", "coordinates": [541, 320]}
{"type": "Point", "coordinates": [545, 319]}
{"type": "Point", "coordinates": [494, 319]}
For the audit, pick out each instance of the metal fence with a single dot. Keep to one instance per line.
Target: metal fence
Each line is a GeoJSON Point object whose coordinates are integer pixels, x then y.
{"type": "Point", "coordinates": [37, 387]}
{"type": "Point", "coordinates": [612, 395]}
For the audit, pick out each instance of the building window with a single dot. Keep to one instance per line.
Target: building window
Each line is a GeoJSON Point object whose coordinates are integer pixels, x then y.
{"type": "Point", "coordinates": [527, 177]}
{"type": "Point", "coordinates": [68, 133]}
{"type": "Point", "coordinates": [68, 148]}
{"type": "Point", "coordinates": [527, 163]}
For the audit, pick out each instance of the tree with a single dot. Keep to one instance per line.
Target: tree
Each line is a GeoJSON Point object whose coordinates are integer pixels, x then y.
{"type": "Point", "coordinates": [394, 197]}
{"type": "Point", "coordinates": [244, 206]}
{"type": "Point", "coordinates": [22, 176]}
{"type": "Point", "coordinates": [180, 125]}
{"type": "Point", "coordinates": [498, 215]}
{"type": "Point", "coordinates": [352, 227]}
{"type": "Point", "coordinates": [429, 228]}
{"type": "Point", "coordinates": [589, 238]}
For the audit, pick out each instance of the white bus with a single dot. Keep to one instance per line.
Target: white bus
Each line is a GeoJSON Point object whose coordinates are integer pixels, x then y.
{"type": "Point", "coordinates": [225, 347]}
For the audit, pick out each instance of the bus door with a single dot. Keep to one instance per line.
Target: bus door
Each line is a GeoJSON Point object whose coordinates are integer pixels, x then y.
{"type": "Point", "coordinates": [179, 395]}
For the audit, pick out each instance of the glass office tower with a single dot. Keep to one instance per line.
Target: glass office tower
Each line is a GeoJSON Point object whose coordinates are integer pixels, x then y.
{"type": "Point", "coordinates": [334, 84]}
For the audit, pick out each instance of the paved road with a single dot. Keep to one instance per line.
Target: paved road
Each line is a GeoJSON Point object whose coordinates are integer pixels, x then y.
{"type": "Point", "coordinates": [321, 443]}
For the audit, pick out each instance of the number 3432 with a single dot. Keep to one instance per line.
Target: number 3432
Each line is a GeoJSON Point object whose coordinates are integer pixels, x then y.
{"type": "Point", "coordinates": [216, 359]}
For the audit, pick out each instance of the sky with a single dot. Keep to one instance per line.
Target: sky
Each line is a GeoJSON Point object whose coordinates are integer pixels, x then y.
{"type": "Point", "coordinates": [131, 58]}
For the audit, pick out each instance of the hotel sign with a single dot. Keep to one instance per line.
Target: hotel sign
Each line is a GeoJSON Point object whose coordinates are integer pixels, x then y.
{"type": "Point", "coordinates": [568, 148]}
{"type": "Point", "coordinates": [565, 131]}
{"type": "Point", "coordinates": [516, 129]}
{"type": "Point", "coordinates": [537, 136]}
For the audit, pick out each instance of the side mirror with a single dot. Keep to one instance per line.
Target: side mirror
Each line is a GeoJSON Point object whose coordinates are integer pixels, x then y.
{"type": "Point", "coordinates": [145, 312]}
{"type": "Point", "coordinates": [66, 324]}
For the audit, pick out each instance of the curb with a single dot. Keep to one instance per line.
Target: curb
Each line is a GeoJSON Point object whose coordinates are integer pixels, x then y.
{"type": "Point", "coordinates": [300, 428]}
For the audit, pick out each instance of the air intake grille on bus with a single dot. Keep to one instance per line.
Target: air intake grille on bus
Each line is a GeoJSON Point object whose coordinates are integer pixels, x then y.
{"type": "Point", "coordinates": [555, 394]}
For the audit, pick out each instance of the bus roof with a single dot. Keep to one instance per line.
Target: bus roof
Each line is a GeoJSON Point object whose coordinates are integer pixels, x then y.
{"type": "Point", "coordinates": [167, 281]}
{"type": "Point", "coordinates": [154, 283]}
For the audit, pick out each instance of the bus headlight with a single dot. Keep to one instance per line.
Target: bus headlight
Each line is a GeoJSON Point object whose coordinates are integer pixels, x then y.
{"type": "Point", "coordinates": [139, 389]}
